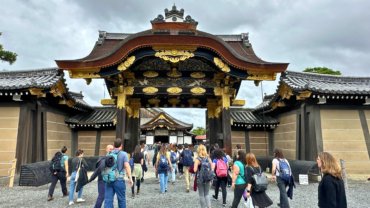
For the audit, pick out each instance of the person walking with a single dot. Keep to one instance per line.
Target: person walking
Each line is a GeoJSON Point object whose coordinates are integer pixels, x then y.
{"type": "Point", "coordinates": [174, 156]}
{"type": "Point", "coordinates": [156, 151]}
{"type": "Point", "coordinates": [238, 180]}
{"type": "Point", "coordinates": [145, 165]}
{"type": "Point", "coordinates": [281, 173]}
{"type": "Point", "coordinates": [77, 163]}
{"type": "Point", "coordinates": [118, 186]}
{"type": "Point", "coordinates": [60, 173]}
{"type": "Point", "coordinates": [221, 169]}
{"type": "Point", "coordinates": [260, 199]}
{"type": "Point", "coordinates": [187, 162]}
{"type": "Point", "coordinates": [180, 166]}
{"type": "Point", "coordinates": [162, 166]}
{"type": "Point", "coordinates": [331, 192]}
{"type": "Point", "coordinates": [137, 172]}
{"type": "Point", "coordinates": [203, 166]}
{"type": "Point", "coordinates": [100, 165]}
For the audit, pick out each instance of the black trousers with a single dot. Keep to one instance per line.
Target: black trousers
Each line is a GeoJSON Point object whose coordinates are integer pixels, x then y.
{"type": "Point", "coordinates": [138, 182]}
{"type": "Point", "coordinates": [238, 193]}
{"type": "Point", "coordinates": [221, 182]}
{"type": "Point", "coordinates": [61, 176]}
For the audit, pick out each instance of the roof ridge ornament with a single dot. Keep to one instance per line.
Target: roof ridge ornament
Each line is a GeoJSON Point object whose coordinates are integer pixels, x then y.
{"type": "Point", "coordinates": [174, 15]}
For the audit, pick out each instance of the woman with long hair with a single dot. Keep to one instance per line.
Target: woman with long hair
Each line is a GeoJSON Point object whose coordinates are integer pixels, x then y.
{"type": "Point", "coordinates": [238, 180]}
{"type": "Point", "coordinates": [331, 188]}
{"type": "Point", "coordinates": [220, 161]}
{"type": "Point", "coordinates": [260, 199]}
{"type": "Point", "coordinates": [203, 187]}
{"type": "Point", "coordinates": [162, 166]}
{"type": "Point", "coordinates": [277, 164]}
{"type": "Point", "coordinates": [137, 171]}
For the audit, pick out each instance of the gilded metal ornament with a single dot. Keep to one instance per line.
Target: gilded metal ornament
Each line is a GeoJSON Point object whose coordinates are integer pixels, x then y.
{"type": "Point", "coordinates": [150, 74]}
{"type": "Point", "coordinates": [126, 64]}
{"type": "Point", "coordinates": [197, 75]}
{"type": "Point", "coordinates": [174, 101]}
{"type": "Point", "coordinates": [193, 101]}
{"type": "Point", "coordinates": [154, 101]}
{"type": "Point", "coordinates": [198, 90]}
{"type": "Point", "coordinates": [174, 56]}
{"type": "Point", "coordinates": [221, 65]}
{"type": "Point", "coordinates": [174, 73]}
{"type": "Point", "coordinates": [150, 90]}
{"type": "Point", "coordinates": [174, 90]}
{"type": "Point", "coordinates": [261, 76]}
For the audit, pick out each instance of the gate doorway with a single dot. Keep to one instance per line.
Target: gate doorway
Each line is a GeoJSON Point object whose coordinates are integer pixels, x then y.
{"type": "Point", "coordinates": [162, 139]}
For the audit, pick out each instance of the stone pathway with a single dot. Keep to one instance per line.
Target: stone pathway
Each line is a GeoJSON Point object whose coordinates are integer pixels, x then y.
{"type": "Point", "coordinates": [304, 196]}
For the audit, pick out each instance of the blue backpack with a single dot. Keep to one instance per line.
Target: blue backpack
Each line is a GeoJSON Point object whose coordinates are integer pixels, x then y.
{"type": "Point", "coordinates": [162, 164]}
{"type": "Point", "coordinates": [284, 170]}
{"type": "Point", "coordinates": [173, 157]}
{"type": "Point", "coordinates": [187, 159]}
{"type": "Point", "coordinates": [110, 172]}
{"type": "Point", "coordinates": [205, 173]}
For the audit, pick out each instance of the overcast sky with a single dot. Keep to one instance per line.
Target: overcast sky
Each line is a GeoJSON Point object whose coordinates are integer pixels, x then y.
{"type": "Point", "coordinates": [310, 33]}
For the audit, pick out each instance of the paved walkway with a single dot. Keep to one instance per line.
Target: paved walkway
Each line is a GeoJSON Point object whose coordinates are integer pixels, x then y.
{"type": "Point", "coordinates": [304, 196]}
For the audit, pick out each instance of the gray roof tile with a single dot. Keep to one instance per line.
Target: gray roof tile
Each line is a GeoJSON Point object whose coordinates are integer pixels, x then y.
{"type": "Point", "coordinates": [247, 116]}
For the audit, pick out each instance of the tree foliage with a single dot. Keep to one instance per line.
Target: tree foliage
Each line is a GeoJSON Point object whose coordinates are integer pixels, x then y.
{"type": "Point", "coordinates": [199, 131]}
{"type": "Point", "coordinates": [322, 70]}
{"type": "Point", "coordinates": [7, 56]}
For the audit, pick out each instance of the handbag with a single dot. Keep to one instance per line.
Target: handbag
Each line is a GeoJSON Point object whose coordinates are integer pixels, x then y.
{"type": "Point", "coordinates": [195, 186]}
{"type": "Point", "coordinates": [249, 203]}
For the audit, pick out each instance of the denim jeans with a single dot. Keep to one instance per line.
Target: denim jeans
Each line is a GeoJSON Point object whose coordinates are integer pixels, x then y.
{"type": "Point", "coordinates": [173, 173]}
{"type": "Point", "coordinates": [284, 202]}
{"type": "Point", "coordinates": [203, 190]}
{"type": "Point", "coordinates": [163, 179]}
{"type": "Point", "coordinates": [101, 193]}
{"type": "Point", "coordinates": [72, 186]}
{"type": "Point", "coordinates": [119, 188]}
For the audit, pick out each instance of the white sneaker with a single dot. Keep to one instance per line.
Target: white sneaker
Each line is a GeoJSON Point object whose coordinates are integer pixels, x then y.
{"type": "Point", "coordinates": [71, 203]}
{"type": "Point", "coordinates": [80, 200]}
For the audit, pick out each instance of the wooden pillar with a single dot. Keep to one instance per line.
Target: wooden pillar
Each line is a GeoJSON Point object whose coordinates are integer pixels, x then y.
{"type": "Point", "coordinates": [213, 115]}
{"type": "Point", "coordinates": [97, 143]}
{"type": "Point", "coordinates": [226, 130]}
{"type": "Point", "coordinates": [74, 143]}
{"type": "Point", "coordinates": [121, 126]}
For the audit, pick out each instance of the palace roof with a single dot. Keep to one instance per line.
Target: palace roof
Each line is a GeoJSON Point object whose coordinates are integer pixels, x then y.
{"type": "Point", "coordinates": [163, 119]}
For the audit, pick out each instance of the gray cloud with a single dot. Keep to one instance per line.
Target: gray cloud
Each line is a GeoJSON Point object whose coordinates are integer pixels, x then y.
{"type": "Point", "coordinates": [303, 33]}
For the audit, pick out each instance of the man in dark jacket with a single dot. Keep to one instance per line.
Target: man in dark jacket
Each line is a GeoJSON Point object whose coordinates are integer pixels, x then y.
{"type": "Point", "coordinates": [100, 165]}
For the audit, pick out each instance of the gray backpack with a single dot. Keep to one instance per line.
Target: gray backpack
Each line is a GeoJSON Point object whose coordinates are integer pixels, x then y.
{"type": "Point", "coordinates": [260, 181]}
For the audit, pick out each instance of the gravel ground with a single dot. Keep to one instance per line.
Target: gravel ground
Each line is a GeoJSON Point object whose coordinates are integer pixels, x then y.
{"type": "Point", "coordinates": [304, 196]}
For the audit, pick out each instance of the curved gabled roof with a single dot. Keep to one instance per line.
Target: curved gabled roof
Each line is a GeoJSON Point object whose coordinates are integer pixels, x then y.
{"type": "Point", "coordinates": [112, 48]}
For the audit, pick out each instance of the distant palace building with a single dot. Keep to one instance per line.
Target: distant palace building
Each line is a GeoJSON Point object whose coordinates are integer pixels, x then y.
{"type": "Point", "coordinates": [173, 64]}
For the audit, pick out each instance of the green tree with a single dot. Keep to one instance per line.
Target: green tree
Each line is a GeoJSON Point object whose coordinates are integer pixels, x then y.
{"type": "Point", "coordinates": [199, 131]}
{"type": "Point", "coordinates": [322, 70]}
{"type": "Point", "coordinates": [7, 56]}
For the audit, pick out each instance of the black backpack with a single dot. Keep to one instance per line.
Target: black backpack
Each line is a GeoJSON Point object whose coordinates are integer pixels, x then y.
{"type": "Point", "coordinates": [205, 173]}
{"type": "Point", "coordinates": [56, 163]}
{"type": "Point", "coordinates": [260, 181]}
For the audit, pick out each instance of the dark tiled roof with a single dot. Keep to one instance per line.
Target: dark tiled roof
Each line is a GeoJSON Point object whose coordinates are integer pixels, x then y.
{"type": "Point", "coordinates": [326, 84]}
{"type": "Point", "coordinates": [247, 116]}
{"type": "Point", "coordinates": [81, 104]}
{"type": "Point", "coordinates": [41, 78]}
{"type": "Point", "coordinates": [98, 117]}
